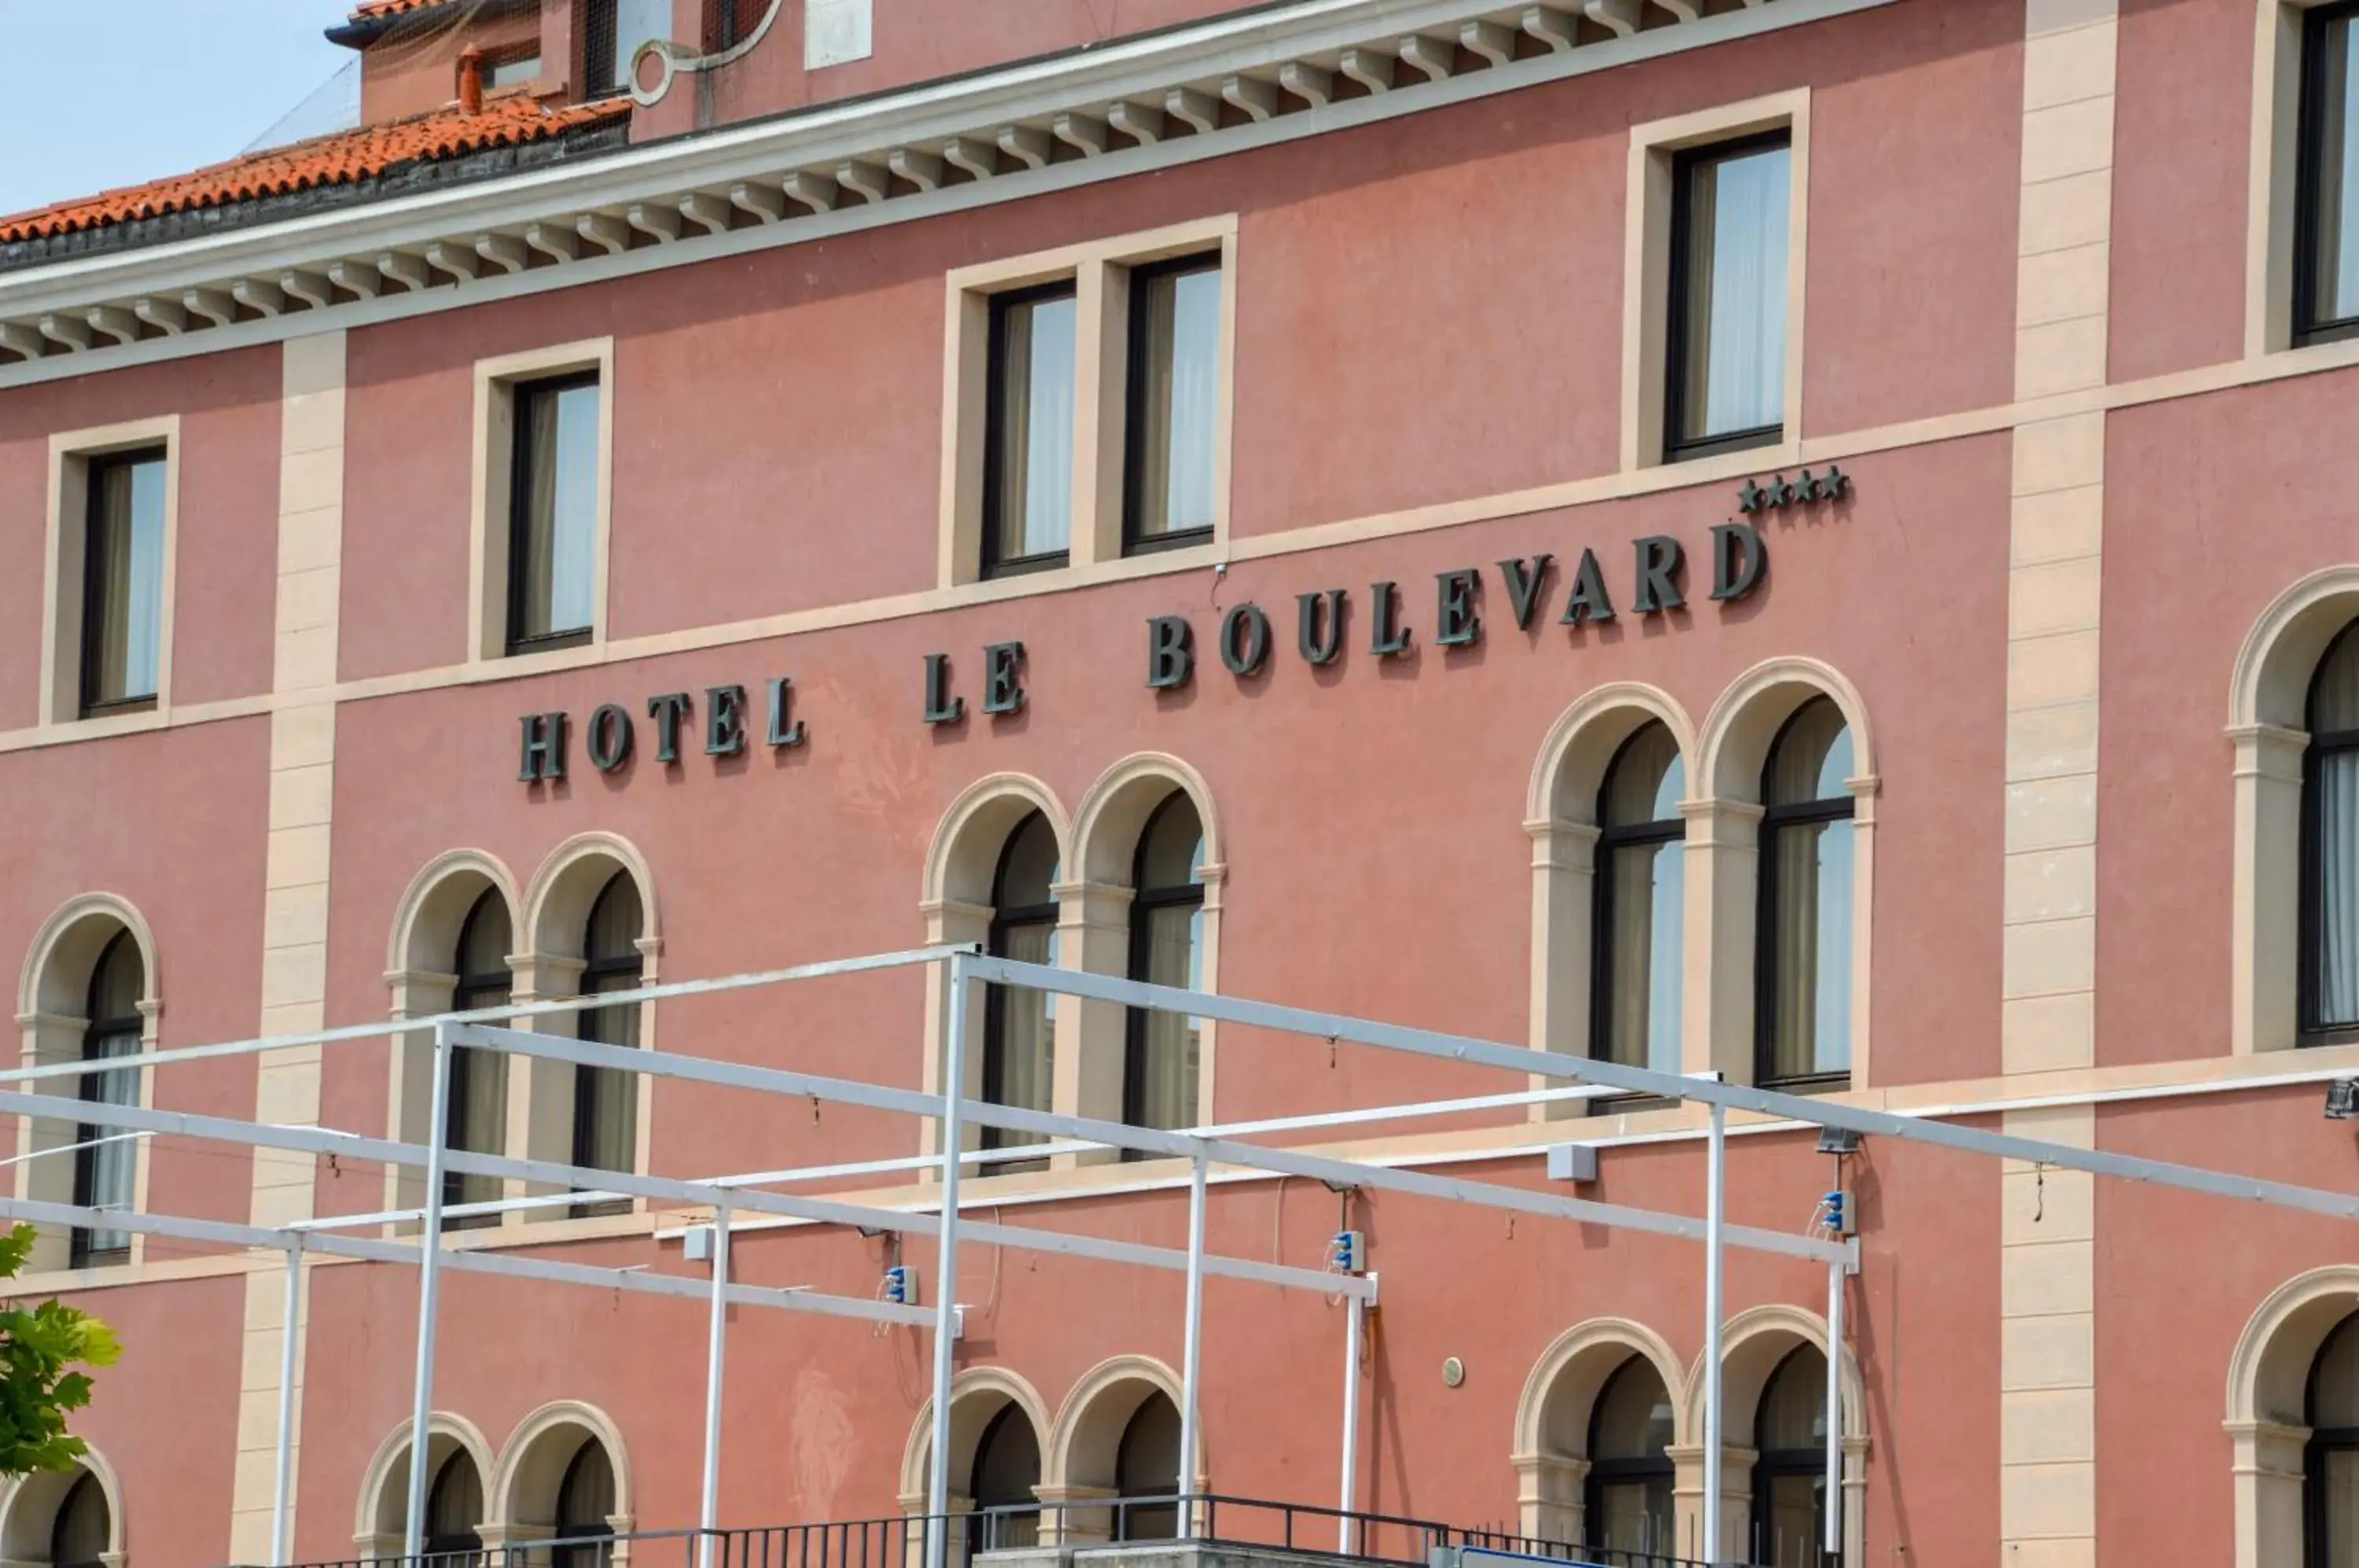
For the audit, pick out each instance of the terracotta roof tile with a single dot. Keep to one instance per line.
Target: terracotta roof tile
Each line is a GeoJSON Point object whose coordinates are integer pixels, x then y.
{"type": "Point", "coordinates": [372, 10]}
{"type": "Point", "coordinates": [340, 159]}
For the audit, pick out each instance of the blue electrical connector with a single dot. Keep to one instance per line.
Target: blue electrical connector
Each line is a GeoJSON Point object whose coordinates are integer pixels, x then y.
{"type": "Point", "coordinates": [901, 1285]}
{"type": "Point", "coordinates": [1348, 1253]}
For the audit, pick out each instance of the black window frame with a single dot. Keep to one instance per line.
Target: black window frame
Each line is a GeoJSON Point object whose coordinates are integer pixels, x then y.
{"type": "Point", "coordinates": [573, 1543]}
{"type": "Point", "coordinates": [454, 1544]}
{"type": "Point", "coordinates": [85, 1485]}
{"type": "Point", "coordinates": [631, 967]}
{"type": "Point", "coordinates": [1775, 819]}
{"type": "Point", "coordinates": [2321, 1442]}
{"type": "Point", "coordinates": [1770, 1465]}
{"type": "Point", "coordinates": [994, 430]}
{"type": "Point", "coordinates": [96, 1032]}
{"type": "Point", "coordinates": [1604, 1472]}
{"type": "Point", "coordinates": [95, 562]}
{"type": "Point", "coordinates": [1601, 937]}
{"type": "Point", "coordinates": [1133, 435]}
{"type": "Point", "coordinates": [995, 1028]}
{"type": "Point", "coordinates": [1677, 446]}
{"type": "Point", "coordinates": [1144, 901]}
{"type": "Point", "coordinates": [468, 993]}
{"type": "Point", "coordinates": [2310, 152]}
{"type": "Point", "coordinates": [520, 396]}
{"type": "Point", "coordinates": [1000, 1516]}
{"type": "Point", "coordinates": [2310, 1027]}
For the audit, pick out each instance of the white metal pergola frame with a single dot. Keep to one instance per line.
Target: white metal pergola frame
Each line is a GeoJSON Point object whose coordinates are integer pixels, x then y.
{"type": "Point", "coordinates": [1201, 1148]}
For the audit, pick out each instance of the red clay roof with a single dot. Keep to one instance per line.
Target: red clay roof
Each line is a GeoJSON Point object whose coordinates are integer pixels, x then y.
{"type": "Point", "coordinates": [340, 159]}
{"type": "Point", "coordinates": [369, 10]}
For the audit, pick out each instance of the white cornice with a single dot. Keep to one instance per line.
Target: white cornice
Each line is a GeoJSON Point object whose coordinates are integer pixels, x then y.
{"type": "Point", "coordinates": [151, 283]}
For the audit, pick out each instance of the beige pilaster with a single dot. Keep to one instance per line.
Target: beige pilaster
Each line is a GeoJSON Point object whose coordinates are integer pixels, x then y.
{"type": "Point", "coordinates": [294, 900]}
{"type": "Point", "coordinates": [2048, 1253]}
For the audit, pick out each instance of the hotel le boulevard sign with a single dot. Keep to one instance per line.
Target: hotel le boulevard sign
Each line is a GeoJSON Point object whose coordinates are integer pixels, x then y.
{"type": "Point", "coordinates": [1657, 576]}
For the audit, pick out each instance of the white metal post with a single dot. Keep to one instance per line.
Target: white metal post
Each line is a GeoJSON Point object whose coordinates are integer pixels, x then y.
{"type": "Point", "coordinates": [1834, 1408]}
{"type": "Point", "coordinates": [1191, 1345]}
{"type": "Point", "coordinates": [1355, 1315]}
{"type": "Point", "coordinates": [282, 1501]}
{"type": "Point", "coordinates": [953, 1087]}
{"type": "Point", "coordinates": [716, 1350]}
{"type": "Point", "coordinates": [1716, 1192]}
{"type": "Point", "coordinates": [429, 1292]}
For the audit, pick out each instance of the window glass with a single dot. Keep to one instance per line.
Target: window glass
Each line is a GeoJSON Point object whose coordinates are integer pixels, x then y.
{"type": "Point", "coordinates": [1007, 1468]}
{"type": "Point", "coordinates": [1729, 229]}
{"type": "Point", "coordinates": [1028, 493]}
{"type": "Point", "coordinates": [510, 72]}
{"type": "Point", "coordinates": [1019, 1034]}
{"type": "Point", "coordinates": [616, 30]}
{"type": "Point", "coordinates": [1166, 948]}
{"type": "Point", "coordinates": [123, 563]}
{"type": "Point", "coordinates": [1174, 399]}
{"type": "Point", "coordinates": [454, 1508]}
{"type": "Point", "coordinates": [478, 1109]}
{"type": "Point", "coordinates": [2331, 842]}
{"type": "Point", "coordinates": [585, 1506]}
{"type": "Point", "coordinates": [1630, 1473]}
{"type": "Point", "coordinates": [107, 1162]}
{"type": "Point", "coordinates": [1147, 1466]}
{"type": "Point", "coordinates": [79, 1538]}
{"type": "Point", "coordinates": [2332, 1463]}
{"type": "Point", "coordinates": [553, 553]}
{"type": "Point", "coordinates": [1790, 1479]}
{"type": "Point", "coordinates": [1641, 898]}
{"type": "Point", "coordinates": [605, 1100]}
{"type": "Point", "coordinates": [1805, 865]}
{"type": "Point", "coordinates": [2328, 273]}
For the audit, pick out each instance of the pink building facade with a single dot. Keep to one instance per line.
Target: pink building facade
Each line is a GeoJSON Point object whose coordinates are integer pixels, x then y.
{"type": "Point", "coordinates": [1581, 525]}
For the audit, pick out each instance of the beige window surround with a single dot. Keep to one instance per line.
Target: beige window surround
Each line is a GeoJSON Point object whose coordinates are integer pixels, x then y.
{"type": "Point", "coordinates": [1099, 272]}
{"type": "Point", "coordinates": [492, 493]}
{"type": "Point", "coordinates": [2273, 194]}
{"type": "Point", "coordinates": [71, 455]}
{"type": "Point", "coordinates": [1646, 266]}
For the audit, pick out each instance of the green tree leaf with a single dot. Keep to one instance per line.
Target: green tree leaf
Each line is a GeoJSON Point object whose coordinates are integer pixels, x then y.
{"type": "Point", "coordinates": [38, 1348]}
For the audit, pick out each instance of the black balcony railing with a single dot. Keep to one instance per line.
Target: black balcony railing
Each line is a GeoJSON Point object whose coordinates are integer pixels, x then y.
{"type": "Point", "coordinates": [901, 1540]}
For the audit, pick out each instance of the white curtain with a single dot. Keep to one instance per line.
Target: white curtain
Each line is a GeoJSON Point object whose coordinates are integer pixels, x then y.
{"type": "Point", "coordinates": [1182, 397]}
{"type": "Point", "coordinates": [1664, 979]}
{"type": "Point", "coordinates": [1036, 492]}
{"type": "Point", "coordinates": [1745, 360]}
{"type": "Point", "coordinates": [572, 456]}
{"type": "Point", "coordinates": [2337, 958]}
{"type": "Point", "coordinates": [2338, 174]}
{"type": "Point", "coordinates": [144, 622]}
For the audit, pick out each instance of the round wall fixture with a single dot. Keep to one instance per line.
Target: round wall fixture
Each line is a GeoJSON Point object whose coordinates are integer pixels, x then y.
{"type": "Point", "coordinates": [1454, 1372]}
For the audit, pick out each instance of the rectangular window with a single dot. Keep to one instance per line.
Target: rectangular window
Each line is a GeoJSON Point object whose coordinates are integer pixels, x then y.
{"type": "Point", "coordinates": [512, 73]}
{"type": "Point", "coordinates": [612, 32]}
{"type": "Point", "coordinates": [123, 583]}
{"type": "Point", "coordinates": [1028, 509]}
{"type": "Point", "coordinates": [2326, 270]}
{"type": "Point", "coordinates": [1725, 369]}
{"type": "Point", "coordinates": [553, 522]}
{"type": "Point", "coordinates": [1174, 403]}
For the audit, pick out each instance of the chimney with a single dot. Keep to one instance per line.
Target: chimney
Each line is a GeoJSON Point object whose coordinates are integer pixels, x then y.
{"type": "Point", "coordinates": [471, 79]}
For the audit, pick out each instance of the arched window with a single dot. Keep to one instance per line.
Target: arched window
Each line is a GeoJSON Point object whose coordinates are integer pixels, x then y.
{"type": "Point", "coordinates": [478, 1114]}
{"type": "Point", "coordinates": [2331, 1459]}
{"type": "Point", "coordinates": [1790, 1477]}
{"type": "Point", "coordinates": [1640, 894]}
{"type": "Point", "coordinates": [1627, 1501]}
{"type": "Point", "coordinates": [79, 1536]}
{"type": "Point", "coordinates": [1007, 1468]}
{"type": "Point", "coordinates": [2330, 849]}
{"type": "Point", "coordinates": [107, 1160]}
{"type": "Point", "coordinates": [1147, 1464]}
{"type": "Point", "coordinates": [1166, 948]}
{"type": "Point", "coordinates": [585, 1506]}
{"type": "Point", "coordinates": [1019, 1041]}
{"type": "Point", "coordinates": [606, 1101]}
{"type": "Point", "coordinates": [454, 1508]}
{"type": "Point", "coordinates": [1803, 1006]}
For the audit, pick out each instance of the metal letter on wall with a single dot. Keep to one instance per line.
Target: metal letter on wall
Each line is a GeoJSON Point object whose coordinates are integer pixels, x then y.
{"type": "Point", "coordinates": [941, 708]}
{"type": "Point", "coordinates": [785, 730]}
{"type": "Point", "coordinates": [1003, 686]}
{"type": "Point", "coordinates": [1456, 623]}
{"type": "Point", "coordinates": [1659, 559]}
{"type": "Point", "coordinates": [1525, 580]}
{"type": "Point", "coordinates": [724, 720]}
{"type": "Point", "coordinates": [1319, 625]}
{"type": "Point", "coordinates": [544, 749]}
{"type": "Point", "coordinates": [1244, 640]}
{"type": "Point", "coordinates": [1390, 640]}
{"type": "Point", "coordinates": [1738, 559]}
{"type": "Point", "coordinates": [1170, 652]}
{"type": "Point", "coordinates": [609, 737]}
{"type": "Point", "coordinates": [1588, 600]}
{"type": "Point", "coordinates": [668, 710]}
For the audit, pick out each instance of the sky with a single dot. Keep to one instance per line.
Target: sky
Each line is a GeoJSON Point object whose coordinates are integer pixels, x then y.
{"type": "Point", "coordinates": [187, 82]}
